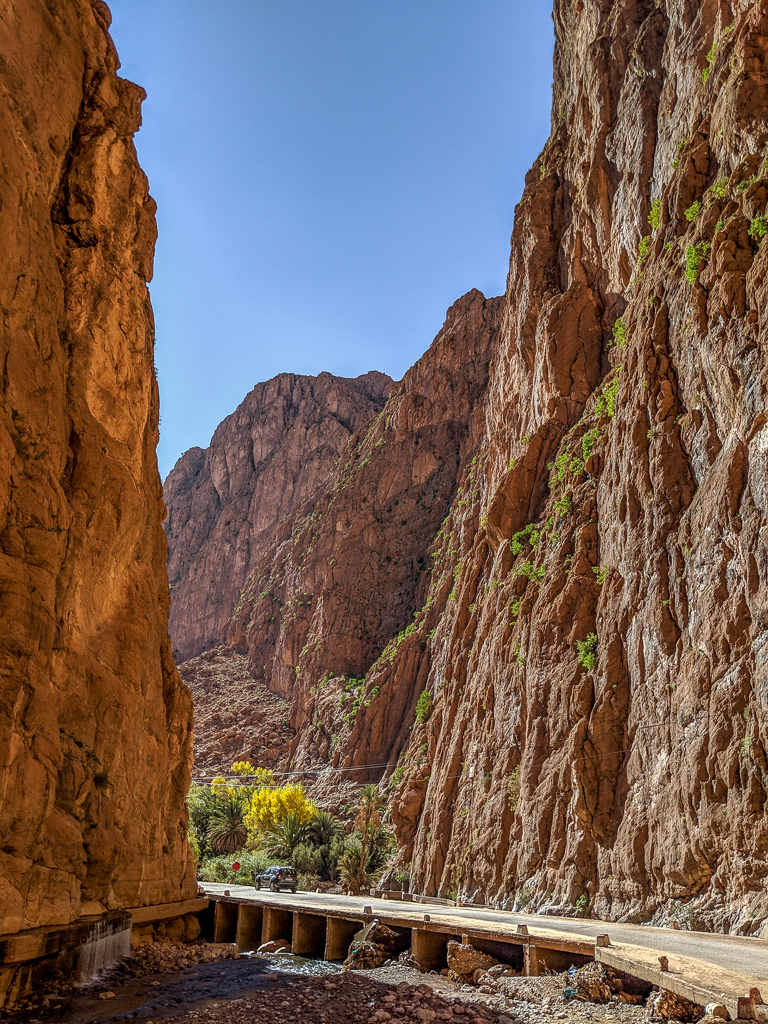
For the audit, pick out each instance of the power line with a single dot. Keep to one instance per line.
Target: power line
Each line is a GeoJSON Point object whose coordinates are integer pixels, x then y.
{"type": "Point", "coordinates": [203, 779]}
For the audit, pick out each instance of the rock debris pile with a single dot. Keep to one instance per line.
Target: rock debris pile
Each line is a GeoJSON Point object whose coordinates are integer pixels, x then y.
{"type": "Point", "coordinates": [236, 718]}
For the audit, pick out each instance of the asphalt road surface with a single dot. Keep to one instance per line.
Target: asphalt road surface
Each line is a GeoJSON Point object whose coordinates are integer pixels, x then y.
{"type": "Point", "coordinates": [732, 952]}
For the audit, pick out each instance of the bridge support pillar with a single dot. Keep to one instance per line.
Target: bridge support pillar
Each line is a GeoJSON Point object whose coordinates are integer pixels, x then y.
{"type": "Point", "coordinates": [308, 935]}
{"type": "Point", "coordinates": [276, 924]}
{"type": "Point", "coordinates": [225, 922]}
{"type": "Point", "coordinates": [429, 948]}
{"type": "Point", "coordinates": [249, 923]}
{"type": "Point", "coordinates": [338, 935]}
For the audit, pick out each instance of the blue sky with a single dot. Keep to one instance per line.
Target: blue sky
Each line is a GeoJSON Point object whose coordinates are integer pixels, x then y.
{"type": "Point", "coordinates": [330, 176]}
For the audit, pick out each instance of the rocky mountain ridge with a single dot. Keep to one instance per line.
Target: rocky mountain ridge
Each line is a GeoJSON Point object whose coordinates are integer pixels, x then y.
{"type": "Point", "coordinates": [549, 642]}
{"type": "Point", "coordinates": [224, 502]}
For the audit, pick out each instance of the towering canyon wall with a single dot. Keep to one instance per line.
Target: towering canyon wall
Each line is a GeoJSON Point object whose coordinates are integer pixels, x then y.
{"type": "Point", "coordinates": [95, 724]}
{"type": "Point", "coordinates": [533, 597]}
{"type": "Point", "coordinates": [271, 454]}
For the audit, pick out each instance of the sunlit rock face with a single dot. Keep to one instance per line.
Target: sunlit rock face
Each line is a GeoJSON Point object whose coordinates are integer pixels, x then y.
{"type": "Point", "coordinates": [95, 724]}
{"type": "Point", "coordinates": [224, 502]}
{"type": "Point", "coordinates": [556, 526]}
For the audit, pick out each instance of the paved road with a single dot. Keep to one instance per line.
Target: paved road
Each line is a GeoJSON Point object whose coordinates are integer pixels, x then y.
{"type": "Point", "coordinates": [734, 953]}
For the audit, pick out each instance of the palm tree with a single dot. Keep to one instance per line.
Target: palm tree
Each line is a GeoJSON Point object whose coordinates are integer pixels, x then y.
{"type": "Point", "coordinates": [368, 816]}
{"type": "Point", "coordinates": [380, 844]}
{"type": "Point", "coordinates": [355, 877]}
{"type": "Point", "coordinates": [326, 834]}
{"type": "Point", "coordinates": [227, 830]}
{"type": "Point", "coordinates": [323, 828]}
{"type": "Point", "coordinates": [283, 836]}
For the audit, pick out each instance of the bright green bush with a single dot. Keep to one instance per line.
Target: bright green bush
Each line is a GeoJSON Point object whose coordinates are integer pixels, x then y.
{"type": "Point", "coordinates": [586, 651]}
{"type": "Point", "coordinates": [654, 217]}
{"type": "Point", "coordinates": [589, 441]}
{"type": "Point", "coordinates": [694, 256]}
{"type": "Point", "coordinates": [219, 869]}
{"type": "Point", "coordinates": [424, 706]}
{"type": "Point", "coordinates": [620, 333]}
{"type": "Point", "coordinates": [693, 211]}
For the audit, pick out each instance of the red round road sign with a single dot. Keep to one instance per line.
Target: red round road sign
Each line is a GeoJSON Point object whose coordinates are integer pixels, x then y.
{"type": "Point", "coordinates": [236, 866]}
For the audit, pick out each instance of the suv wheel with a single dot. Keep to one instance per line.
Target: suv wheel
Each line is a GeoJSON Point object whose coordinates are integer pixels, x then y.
{"type": "Point", "coordinates": [273, 887]}
{"type": "Point", "coordinates": [258, 883]}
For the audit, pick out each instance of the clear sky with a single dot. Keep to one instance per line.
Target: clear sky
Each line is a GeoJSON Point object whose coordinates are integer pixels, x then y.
{"type": "Point", "coordinates": [331, 175]}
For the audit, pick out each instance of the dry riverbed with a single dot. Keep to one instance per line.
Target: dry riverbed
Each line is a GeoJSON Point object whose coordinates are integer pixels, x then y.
{"type": "Point", "coordinates": [209, 984]}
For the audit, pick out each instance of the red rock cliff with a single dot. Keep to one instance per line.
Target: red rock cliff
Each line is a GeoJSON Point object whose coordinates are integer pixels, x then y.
{"type": "Point", "coordinates": [592, 633]}
{"type": "Point", "coordinates": [271, 454]}
{"type": "Point", "coordinates": [536, 586]}
{"type": "Point", "coordinates": [95, 724]}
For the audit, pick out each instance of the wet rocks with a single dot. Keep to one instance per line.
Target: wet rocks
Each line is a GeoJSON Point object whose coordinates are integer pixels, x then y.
{"type": "Point", "coordinates": [176, 931]}
{"type": "Point", "coordinates": [275, 946]}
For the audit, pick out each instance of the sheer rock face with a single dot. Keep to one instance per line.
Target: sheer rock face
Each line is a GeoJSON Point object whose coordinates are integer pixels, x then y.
{"type": "Point", "coordinates": [347, 572]}
{"type": "Point", "coordinates": [223, 503]}
{"type": "Point", "coordinates": [625, 424]}
{"type": "Point", "coordinates": [634, 775]}
{"type": "Point", "coordinates": [95, 724]}
{"type": "Point", "coordinates": [590, 620]}
{"type": "Point", "coordinates": [236, 718]}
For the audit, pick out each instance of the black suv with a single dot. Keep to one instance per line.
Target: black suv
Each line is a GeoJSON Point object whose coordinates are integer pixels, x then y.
{"type": "Point", "coordinates": [276, 878]}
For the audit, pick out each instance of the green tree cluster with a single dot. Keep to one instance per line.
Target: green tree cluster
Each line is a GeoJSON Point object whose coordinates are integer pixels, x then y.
{"type": "Point", "coordinates": [252, 820]}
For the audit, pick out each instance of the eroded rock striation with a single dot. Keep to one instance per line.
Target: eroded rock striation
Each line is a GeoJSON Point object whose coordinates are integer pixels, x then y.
{"type": "Point", "coordinates": [346, 572]}
{"type": "Point", "coordinates": [95, 724]}
{"type": "Point", "coordinates": [224, 502]}
{"type": "Point", "coordinates": [532, 598]}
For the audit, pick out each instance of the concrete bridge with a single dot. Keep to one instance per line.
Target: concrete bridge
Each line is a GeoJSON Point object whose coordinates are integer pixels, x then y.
{"type": "Point", "coordinates": [702, 967]}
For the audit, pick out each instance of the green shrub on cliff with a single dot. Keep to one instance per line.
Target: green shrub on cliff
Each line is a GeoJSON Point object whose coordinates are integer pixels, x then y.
{"type": "Point", "coordinates": [693, 211]}
{"type": "Point", "coordinates": [654, 217]}
{"type": "Point", "coordinates": [513, 789]}
{"type": "Point", "coordinates": [619, 333]}
{"type": "Point", "coordinates": [586, 651]}
{"type": "Point", "coordinates": [694, 256]}
{"type": "Point", "coordinates": [424, 706]}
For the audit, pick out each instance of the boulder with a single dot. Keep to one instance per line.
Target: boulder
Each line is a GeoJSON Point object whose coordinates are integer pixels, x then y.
{"type": "Point", "coordinates": [365, 956]}
{"type": "Point", "coordinates": [464, 960]}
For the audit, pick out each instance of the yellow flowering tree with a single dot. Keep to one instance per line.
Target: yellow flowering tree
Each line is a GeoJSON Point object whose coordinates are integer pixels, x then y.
{"type": "Point", "coordinates": [271, 806]}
